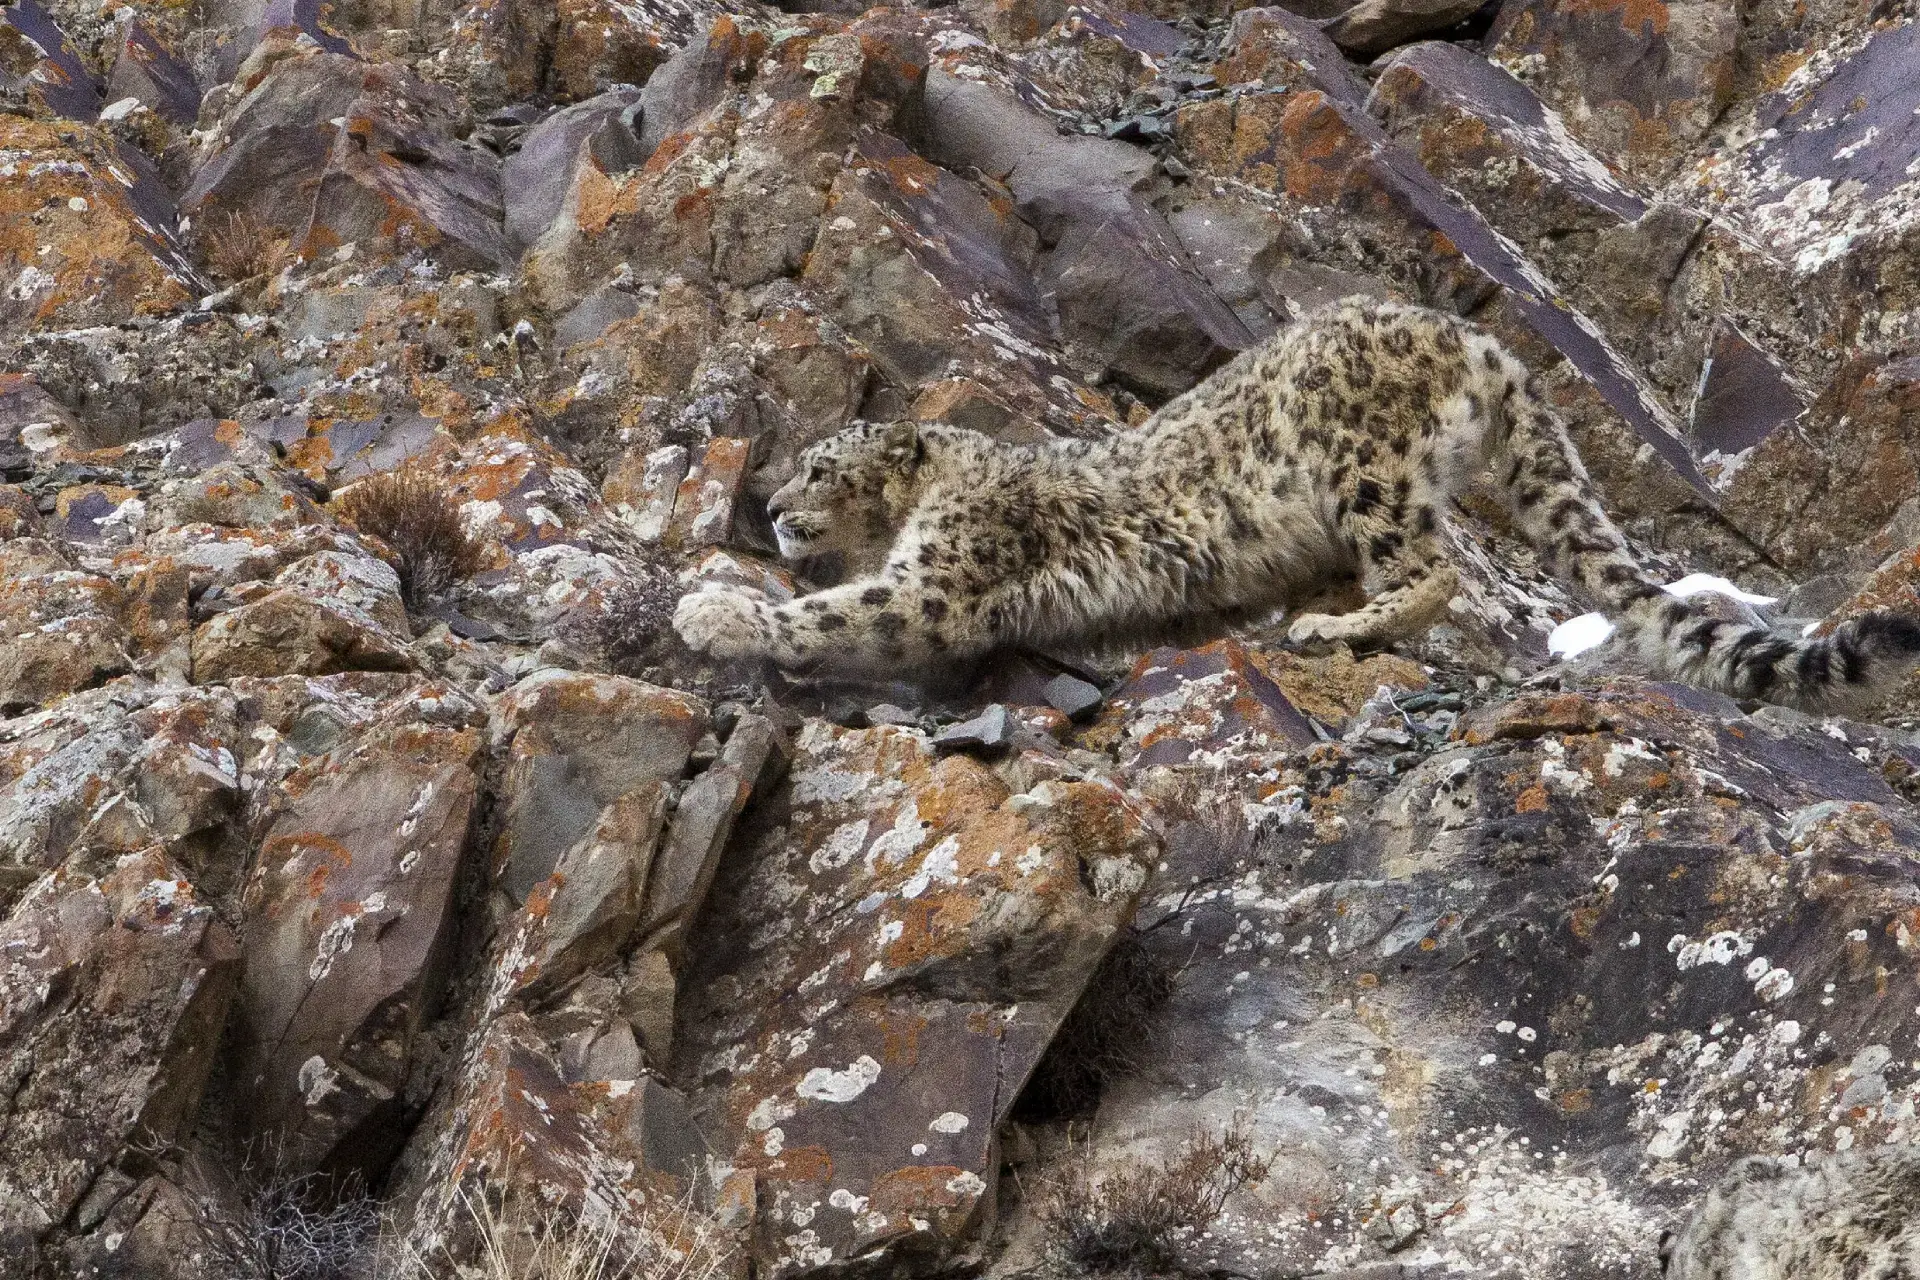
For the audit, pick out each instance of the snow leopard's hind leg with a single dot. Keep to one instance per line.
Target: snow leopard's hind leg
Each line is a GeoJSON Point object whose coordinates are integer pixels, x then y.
{"type": "Point", "coordinates": [1394, 533]}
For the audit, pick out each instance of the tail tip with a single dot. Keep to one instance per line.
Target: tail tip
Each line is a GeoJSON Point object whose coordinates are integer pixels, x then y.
{"type": "Point", "coordinates": [1888, 632]}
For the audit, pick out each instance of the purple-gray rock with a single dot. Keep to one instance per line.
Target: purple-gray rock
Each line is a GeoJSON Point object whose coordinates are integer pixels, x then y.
{"type": "Point", "coordinates": [990, 731]}
{"type": "Point", "coordinates": [393, 176]}
{"type": "Point", "coordinates": [1073, 697]}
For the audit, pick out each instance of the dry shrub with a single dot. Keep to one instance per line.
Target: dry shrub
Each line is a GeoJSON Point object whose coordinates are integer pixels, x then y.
{"type": "Point", "coordinates": [1108, 1034]}
{"type": "Point", "coordinates": [262, 1222]}
{"type": "Point", "coordinates": [673, 1241]}
{"type": "Point", "coordinates": [241, 247]}
{"type": "Point", "coordinates": [1139, 1217]}
{"type": "Point", "coordinates": [295, 1230]}
{"type": "Point", "coordinates": [633, 627]}
{"type": "Point", "coordinates": [419, 521]}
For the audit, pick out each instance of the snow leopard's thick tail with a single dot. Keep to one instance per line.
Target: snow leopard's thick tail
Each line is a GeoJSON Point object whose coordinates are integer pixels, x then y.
{"type": "Point", "coordinates": [1547, 489]}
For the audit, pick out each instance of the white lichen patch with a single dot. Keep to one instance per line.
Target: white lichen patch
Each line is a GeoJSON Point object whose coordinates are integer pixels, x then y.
{"type": "Point", "coordinates": [823, 1084]}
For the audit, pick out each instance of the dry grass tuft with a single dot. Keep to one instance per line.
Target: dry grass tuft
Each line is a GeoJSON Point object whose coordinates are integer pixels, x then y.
{"type": "Point", "coordinates": [1138, 1218]}
{"type": "Point", "coordinates": [670, 1242]}
{"type": "Point", "coordinates": [419, 521]}
{"type": "Point", "coordinates": [241, 247]}
{"type": "Point", "coordinates": [1108, 1034]}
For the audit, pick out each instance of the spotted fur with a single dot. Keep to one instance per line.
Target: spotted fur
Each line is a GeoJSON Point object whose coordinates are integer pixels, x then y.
{"type": "Point", "coordinates": [1330, 452]}
{"type": "Point", "coordinates": [1845, 1217]}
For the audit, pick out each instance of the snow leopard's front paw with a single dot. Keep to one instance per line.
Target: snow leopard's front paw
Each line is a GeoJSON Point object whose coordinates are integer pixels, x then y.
{"type": "Point", "coordinates": [725, 623]}
{"type": "Point", "coordinates": [1319, 631]}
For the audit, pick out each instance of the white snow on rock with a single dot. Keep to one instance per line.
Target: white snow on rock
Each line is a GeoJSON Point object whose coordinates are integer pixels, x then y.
{"type": "Point", "coordinates": [1577, 635]}
{"type": "Point", "coordinates": [1698, 583]}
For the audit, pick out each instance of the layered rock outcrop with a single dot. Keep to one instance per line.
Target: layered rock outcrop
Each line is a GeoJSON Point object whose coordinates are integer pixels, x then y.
{"type": "Point", "coordinates": [373, 379]}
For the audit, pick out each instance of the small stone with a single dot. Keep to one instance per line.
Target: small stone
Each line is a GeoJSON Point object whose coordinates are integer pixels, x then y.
{"type": "Point", "coordinates": [991, 730]}
{"type": "Point", "coordinates": [457, 622]}
{"type": "Point", "coordinates": [1073, 696]}
{"type": "Point", "coordinates": [887, 713]}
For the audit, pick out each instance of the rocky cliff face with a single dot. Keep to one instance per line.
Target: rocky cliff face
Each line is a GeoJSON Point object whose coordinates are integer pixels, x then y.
{"type": "Point", "coordinates": [378, 875]}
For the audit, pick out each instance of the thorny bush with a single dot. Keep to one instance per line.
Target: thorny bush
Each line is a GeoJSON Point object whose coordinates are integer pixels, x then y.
{"type": "Point", "coordinates": [1140, 1218]}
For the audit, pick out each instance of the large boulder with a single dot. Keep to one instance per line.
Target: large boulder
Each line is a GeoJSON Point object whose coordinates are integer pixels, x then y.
{"type": "Point", "coordinates": [328, 151]}
{"type": "Point", "coordinates": [350, 921]}
{"type": "Point", "coordinates": [114, 984]}
{"type": "Point", "coordinates": [117, 770]}
{"type": "Point", "coordinates": [576, 744]}
{"type": "Point", "coordinates": [1821, 176]}
{"type": "Point", "coordinates": [1296, 123]}
{"type": "Point", "coordinates": [60, 629]}
{"type": "Point", "coordinates": [1851, 441]}
{"type": "Point", "coordinates": [1126, 296]}
{"type": "Point", "coordinates": [1499, 999]}
{"type": "Point", "coordinates": [539, 1150]}
{"type": "Point", "coordinates": [1640, 85]}
{"type": "Point", "coordinates": [88, 235]}
{"type": "Point", "coordinates": [325, 613]}
{"type": "Point", "coordinates": [877, 972]}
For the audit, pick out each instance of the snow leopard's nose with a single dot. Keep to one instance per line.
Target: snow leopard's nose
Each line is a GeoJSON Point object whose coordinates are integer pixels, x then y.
{"type": "Point", "coordinates": [782, 498]}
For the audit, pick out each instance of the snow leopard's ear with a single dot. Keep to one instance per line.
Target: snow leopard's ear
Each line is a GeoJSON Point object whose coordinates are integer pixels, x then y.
{"type": "Point", "coordinates": [904, 446]}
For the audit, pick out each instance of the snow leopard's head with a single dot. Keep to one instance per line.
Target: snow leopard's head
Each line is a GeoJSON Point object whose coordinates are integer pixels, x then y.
{"type": "Point", "coordinates": [850, 494]}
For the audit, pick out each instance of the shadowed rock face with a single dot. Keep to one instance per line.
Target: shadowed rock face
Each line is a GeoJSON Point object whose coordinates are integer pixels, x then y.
{"type": "Point", "coordinates": [491, 892]}
{"type": "Point", "coordinates": [1528, 981]}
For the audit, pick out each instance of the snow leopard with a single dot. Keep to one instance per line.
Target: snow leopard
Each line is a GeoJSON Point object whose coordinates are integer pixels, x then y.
{"type": "Point", "coordinates": [1850, 1216]}
{"type": "Point", "coordinates": [1330, 452]}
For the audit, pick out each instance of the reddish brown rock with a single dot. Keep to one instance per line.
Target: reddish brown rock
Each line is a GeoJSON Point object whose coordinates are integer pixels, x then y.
{"type": "Point", "coordinates": [753, 759]}
{"type": "Point", "coordinates": [114, 985]}
{"type": "Point", "coordinates": [1129, 303]}
{"type": "Point", "coordinates": [600, 44]}
{"type": "Point", "coordinates": [516, 1132]}
{"type": "Point", "coordinates": [326, 613]}
{"type": "Point", "coordinates": [641, 488]}
{"type": "Point", "coordinates": [925, 929]}
{"type": "Point", "coordinates": [1485, 134]}
{"type": "Point", "coordinates": [119, 769]}
{"type": "Point", "coordinates": [932, 277]}
{"type": "Point", "coordinates": [60, 630]}
{"type": "Point", "coordinates": [575, 744]}
{"type": "Point", "coordinates": [1823, 176]}
{"type": "Point", "coordinates": [330, 151]}
{"type": "Point", "coordinates": [1849, 456]}
{"type": "Point", "coordinates": [1639, 82]}
{"type": "Point", "coordinates": [87, 234]}
{"type": "Point", "coordinates": [1313, 143]}
{"type": "Point", "coordinates": [493, 48]}
{"type": "Point", "coordinates": [816, 372]}
{"type": "Point", "coordinates": [585, 912]}
{"type": "Point", "coordinates": [349, 925]}
{"type": "Point", "coordinates": [1202, 704]}
{"type": "Point", "coordinates": [703, 508]}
